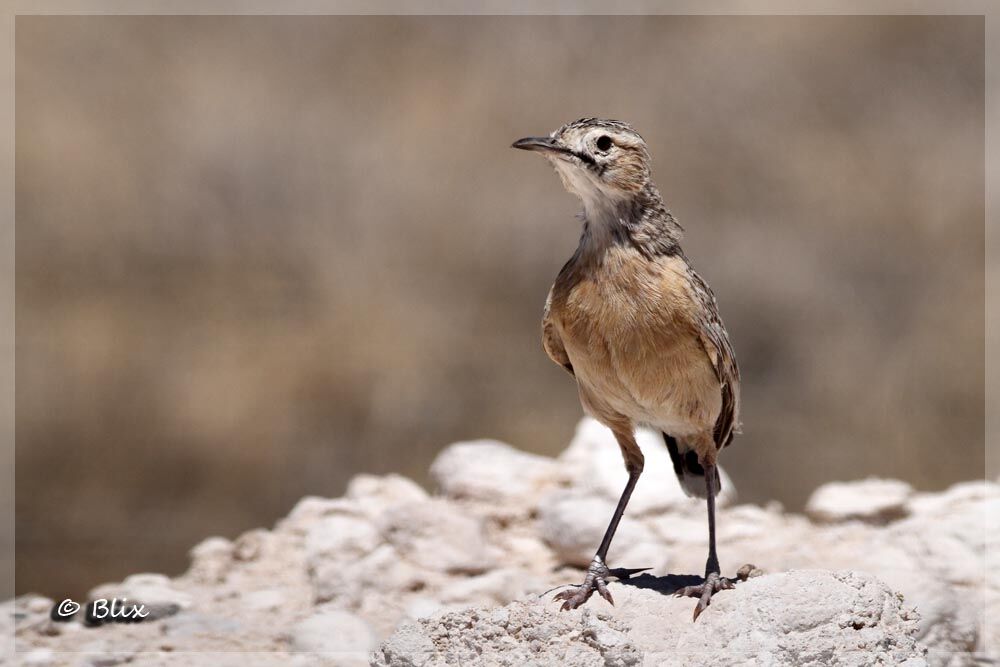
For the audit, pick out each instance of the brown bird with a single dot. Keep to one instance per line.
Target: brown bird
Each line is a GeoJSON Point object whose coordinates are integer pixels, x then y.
{"type": "Point", "coordinates": [640, 331]}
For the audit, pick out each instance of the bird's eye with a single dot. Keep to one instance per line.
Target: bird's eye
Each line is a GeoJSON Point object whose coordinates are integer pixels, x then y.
{"type": "Point", "coordinates": [603, 142]}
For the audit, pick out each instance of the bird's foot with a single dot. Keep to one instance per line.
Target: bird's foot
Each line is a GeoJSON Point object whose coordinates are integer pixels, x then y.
{"type": "Point", "coordinates": [714, 583]}
{"type": "Point", "coordinates": [596, 580]}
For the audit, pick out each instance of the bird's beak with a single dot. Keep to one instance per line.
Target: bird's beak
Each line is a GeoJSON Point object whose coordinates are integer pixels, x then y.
{"type": "Point", "coordinates": [543, 144]}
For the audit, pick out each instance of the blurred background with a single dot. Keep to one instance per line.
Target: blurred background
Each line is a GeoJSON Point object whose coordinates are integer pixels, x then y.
{"type": "Point", "coordinates": [258, 255]}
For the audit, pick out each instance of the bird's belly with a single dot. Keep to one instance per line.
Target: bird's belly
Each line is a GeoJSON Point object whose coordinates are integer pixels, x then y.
{"type": "Point", "coordinates": [659, 377]}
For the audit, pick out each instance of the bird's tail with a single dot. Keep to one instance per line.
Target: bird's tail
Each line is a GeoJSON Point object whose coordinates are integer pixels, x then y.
{"type": "Point", "coordinates": [690, 472]}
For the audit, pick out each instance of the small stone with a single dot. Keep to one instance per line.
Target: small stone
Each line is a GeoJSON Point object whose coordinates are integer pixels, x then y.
{"type": "Point", "coordinates": [494, 472]}
{"type": "Point", "coordinates": [335, 632]}
{"type": "Point", "coordinates": [374, 494]}
{"type": "Point", "coordinates": [572, 524]}
{"type": "Point", "coordinates": [872, 500]}
{"type": "Point", "coordinates": [341, 537]}
{"type": "Point", "coordinates": [267, 599]}
{"type": "Point", "coordinates": [189, 624]}
{"type": "Point", "coordinates": [250, 545]}
{"type": "Point", "coordinates": [350, 583]}
{"type": "Point", "coordinates": [156, 591]}
{"type": "Point", "coordinates": [211, 559]}
{"type": "Point", "coordinates": [437, 536]}
{"type": "Point", "coordinates": [39, 657]}
{"type": "Point", "coordinates": [311, 509]}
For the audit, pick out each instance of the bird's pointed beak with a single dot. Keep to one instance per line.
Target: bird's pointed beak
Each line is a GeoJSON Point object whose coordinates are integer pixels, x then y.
{"type": "Point", "coordinates": [538, 144]}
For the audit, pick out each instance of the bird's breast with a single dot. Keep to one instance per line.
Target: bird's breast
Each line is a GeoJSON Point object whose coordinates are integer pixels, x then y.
{"type": "Point", "coordinates": [628, 330]}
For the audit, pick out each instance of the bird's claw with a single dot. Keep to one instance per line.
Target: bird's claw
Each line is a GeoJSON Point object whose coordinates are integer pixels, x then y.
{"type": "Point", "coordinates": [596, 580]}
{"type": "Point", "coordinates": [704, 591]}
{"type": "Point", "coordinates": [577, 595]}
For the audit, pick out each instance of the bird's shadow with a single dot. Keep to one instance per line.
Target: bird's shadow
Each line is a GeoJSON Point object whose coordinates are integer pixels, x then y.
{"type": "Point", "coordinates": [668, 584]}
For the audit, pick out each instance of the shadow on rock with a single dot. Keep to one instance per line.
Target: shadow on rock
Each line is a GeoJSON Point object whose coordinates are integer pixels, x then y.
{"type": "Point", "coordinates": [667, 584]}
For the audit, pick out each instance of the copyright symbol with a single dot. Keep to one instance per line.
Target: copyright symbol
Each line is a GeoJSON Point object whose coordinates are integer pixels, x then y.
{"type": "Point", "coordinates": [65, 610]}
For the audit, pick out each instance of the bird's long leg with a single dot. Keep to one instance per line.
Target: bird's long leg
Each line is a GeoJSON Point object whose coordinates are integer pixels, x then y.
{"type": "Point", "coordinates": [712, 564]}
{"type": "Point", "coordinates": [598, 572]}
{"type": "Point", "coordinates": [609, 534]}
{"type": "Point", "coordinates": [714, 581]}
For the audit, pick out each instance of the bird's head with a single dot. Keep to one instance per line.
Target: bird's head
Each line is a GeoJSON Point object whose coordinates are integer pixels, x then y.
{"type": "Point", "coordinates": [603, 162]}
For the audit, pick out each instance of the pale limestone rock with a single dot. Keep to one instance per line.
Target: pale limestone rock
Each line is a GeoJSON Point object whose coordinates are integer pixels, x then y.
{"type": "Point", "coordinates": [872, 500]}
{"type": "Point", "coordinates": [157, 592]}
{"type": "Point", "coordinates": [494, 472]}
{"type": "Point", "coordinates": [340, 537]}
{"type": "Point", "coordinates": [594, 464]}
{"type": "Point", "coordinates": [340, 636]}
{"type": "Point", "coordinates": [436, 535]}
{"type": "Point", "coordinates": [211, 559]}
{"type": "Point", "coordinates": [573, 524]}
{"type": "Point", "coordinates": [311, 509]}
{"type": "Point", "coordinates": [374, 494]}
{"type": "Point", "coordinates": [796, 618]}
{"type": "Point", "coordinates": [519, 634]}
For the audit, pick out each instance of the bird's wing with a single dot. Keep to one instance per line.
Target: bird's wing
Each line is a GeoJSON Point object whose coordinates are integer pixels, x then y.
{"type": "Point", "coordinates": [715, 340]}
{"type": "Point", "coordinates": [551, 341]}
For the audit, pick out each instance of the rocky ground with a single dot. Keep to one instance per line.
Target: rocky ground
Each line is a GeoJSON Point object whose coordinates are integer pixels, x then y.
{"type": "Point", "coordinates": [874, 573]}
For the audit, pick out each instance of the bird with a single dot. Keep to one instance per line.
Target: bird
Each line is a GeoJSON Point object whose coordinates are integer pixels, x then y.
{"type": "Point", "coordinates": [639, 330]}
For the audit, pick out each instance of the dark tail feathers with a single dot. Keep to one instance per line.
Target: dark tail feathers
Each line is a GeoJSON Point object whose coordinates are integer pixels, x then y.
{"type": "Point", "coordinates": [690, 472]}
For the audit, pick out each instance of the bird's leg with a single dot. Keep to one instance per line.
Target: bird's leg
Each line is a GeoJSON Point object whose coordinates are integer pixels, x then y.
{"type": "Point", "coordinates": [714, 581]}
{"type": "Point", "coordinates": [598, 572]}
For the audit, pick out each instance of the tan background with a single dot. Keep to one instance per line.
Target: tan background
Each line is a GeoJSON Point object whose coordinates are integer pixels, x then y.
{"type": "Point", "coordinates": [258, 255]}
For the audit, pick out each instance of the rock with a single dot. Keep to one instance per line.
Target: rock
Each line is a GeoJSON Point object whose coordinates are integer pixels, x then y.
{"type": "Point", "coordinates": [338, 634]}
{"type": "Point", "coordinates": [157, 592]}
{"type": "Point", "coordinates": [190, 624]}
{"type": "Point", "coordinates": [375, 494]}
{"type": "Point", "coordinates": [493, 472]}
{"type": "Point", "coordinates": [794, 618]}
{"type": "Point", "coordinates": [436, 535]}
{"type": "Point", "coordinates": [341, 537]}
{"type": "Point", "coordinates": [387, 553]}
{"type": "Point", "coordinates": [350, 583]}
{"type": "Point", "coordinates": [572, 524]}
{"type": "Point", "coordinates": [251, 545]}
{"type": "Point", "coordinates": [594, 464]}
{"type": "Point", "coordinates": [265, 599]}
{"type": "Point", "coordinates": [519, 634]}
{"type": "Point", "coordinates": [873, 500]}
{"type": "Point", "coordinates": [311, 509]}
{"type": "Point", "coordinates": [211, 559]}
{"type": "Point", "coordinates": [39, 657]}
{"type": "Point", "coordinates": [502, 585]}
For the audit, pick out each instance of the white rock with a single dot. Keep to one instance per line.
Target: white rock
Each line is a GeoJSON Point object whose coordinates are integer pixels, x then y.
{"type": "Point", "coordinates": [572, 524]}
{"type": "Point", "coordinates": [795, 618]}
{"type": "Point", "coordinates": [502, 585]}
{"type": "Point", "coordinates": [340, 635]}
{"type": "Point", "coordinates": [341, 537]}
{"type": "Point", "coordinates": [311, 509]}
{"type": "Point", "coordinates": [493, 472]}
{"type": "Point", "coordinates": [422, 606]}
{"type": "Point", "coordinates": [436, 535]}
{"type": "Point", "coordinates": [873, 500]}
{"type": "Point", "coordinates": [265, 599]}
{"type": "Point", "coordinates": [594, 463]}
{"type": "Point", "coordinates": [527, 634]}
{"type": "Point", "coordinates": [255, 544]}
{"type": "Point", "coordinates": [39, 657]}
{"type": "Point", "coordinates": [211, 559]}
{"type": "Point", "coordinates": [192, 625]}
{"type": "Point", "coordinates": [152, 590]}
{"type": "Point", "coordinates": [374, 494]}
{"type": "Point", "coordinates": [349, 583]}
